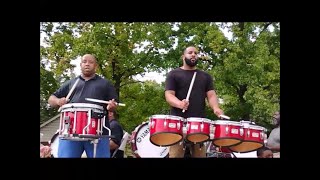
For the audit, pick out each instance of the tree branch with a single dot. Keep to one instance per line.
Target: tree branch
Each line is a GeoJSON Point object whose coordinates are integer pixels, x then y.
{"type": "Point", "coordinates": [265, 27]}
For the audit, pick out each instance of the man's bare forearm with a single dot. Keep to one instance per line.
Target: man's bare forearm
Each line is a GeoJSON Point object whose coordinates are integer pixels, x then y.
{"type": "Point", "coordinates": [172, 100]}
{"type": "Point", "coordinates": [213, 99]}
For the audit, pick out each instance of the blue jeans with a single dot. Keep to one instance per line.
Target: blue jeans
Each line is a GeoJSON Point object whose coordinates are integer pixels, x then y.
{"type": "Point", "coordinates": [74, 149]}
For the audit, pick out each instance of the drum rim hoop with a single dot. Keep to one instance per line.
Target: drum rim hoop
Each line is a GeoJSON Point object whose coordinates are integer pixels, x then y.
{"type": "Point", "coordinates": [198, 119]}
{"type": "Point", "coordinates": [163, 116]}
{"type": "Point", "coordinates": [227, 122]}
{"type": "Point", "coordinates": [81, 105]}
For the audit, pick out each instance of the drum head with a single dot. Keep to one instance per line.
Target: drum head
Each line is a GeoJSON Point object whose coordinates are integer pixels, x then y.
{"type": "Point", "coordinates": [246, 146]}
{"type": "Point", "coordinates": [145, 149]}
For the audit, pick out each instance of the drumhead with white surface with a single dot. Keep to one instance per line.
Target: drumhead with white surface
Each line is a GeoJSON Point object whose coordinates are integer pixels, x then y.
{"type": "Point", "coordinates": [144, 148]}
{"type": "Point", "coordinates": [54, 144]}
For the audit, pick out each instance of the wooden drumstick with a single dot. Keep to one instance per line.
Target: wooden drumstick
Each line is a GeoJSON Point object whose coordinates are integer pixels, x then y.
{"type": "Point", "coordinates": [190, 88]}
{"type": "Point", "coordinates": [224, 116]}
{"type": "Point", "coordinates": [101, 101]}
{"type": "Point", "coordinates": [70, 92]}
{"type": "Point", "coordinates": [72, 89]}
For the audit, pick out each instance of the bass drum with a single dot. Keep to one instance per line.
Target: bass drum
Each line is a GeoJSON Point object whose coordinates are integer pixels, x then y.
{"type": "Point", "coordinates": [54, 144]}
{"type": "Point", "coordinates": [141, 145]}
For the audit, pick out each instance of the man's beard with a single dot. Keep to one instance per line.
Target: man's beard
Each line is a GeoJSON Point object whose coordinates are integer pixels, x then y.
{"type": "Point", "coordinates": [190, 63]}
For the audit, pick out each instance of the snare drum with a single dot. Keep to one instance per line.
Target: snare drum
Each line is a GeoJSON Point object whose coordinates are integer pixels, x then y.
{"type": "Point", "coordinates": [198, 129]}
{"type": "Point", "coordinates": [141, 145]}
{"type": "Point", "coordinates": [253, 138]}
{"type": "Point", "coordinates": [227, 133]}
{"type": "Point", "coordinates": [165, 130]}
{"type": "Point", "coordinates": [81, 120]}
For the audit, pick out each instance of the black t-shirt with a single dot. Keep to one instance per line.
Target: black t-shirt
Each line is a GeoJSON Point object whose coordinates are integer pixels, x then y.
{"type": "Point", "coordinates": [179, 80]}
{"type": "Point", "coordinates": [117, 132]}
{"type": "Point", "coordinates": [95, 88]}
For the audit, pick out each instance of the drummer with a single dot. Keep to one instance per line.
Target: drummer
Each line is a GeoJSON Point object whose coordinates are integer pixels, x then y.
{"type": "Point", "coordinates": [90, 85]}
{"type": "Point", "coordinates": [177, 85]}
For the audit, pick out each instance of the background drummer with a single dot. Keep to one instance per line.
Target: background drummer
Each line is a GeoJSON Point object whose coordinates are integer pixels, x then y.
{"type": "Point", "coordinates": [89, 85]}
{"type": "Point", "coordinates": [178, 82]}
{"type": "Point", "coordinates": [117, 133]}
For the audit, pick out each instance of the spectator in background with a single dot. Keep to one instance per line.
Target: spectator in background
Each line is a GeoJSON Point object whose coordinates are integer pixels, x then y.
{"type": "Point", "coordinates": [273, 141]}
{"type": "Point", "coordinates": [264, 152]}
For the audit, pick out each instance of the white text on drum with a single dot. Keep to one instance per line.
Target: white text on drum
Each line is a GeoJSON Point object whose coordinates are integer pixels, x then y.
{"type": "Point", "coordinates": [143, 135]}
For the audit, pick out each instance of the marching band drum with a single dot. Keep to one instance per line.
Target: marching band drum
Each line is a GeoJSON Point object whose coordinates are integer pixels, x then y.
{"type": "Point", "coordinates": [80, 122]}
{"type": "Point", "coordinates": [83, 122]}
{"type": "Point", "coordinates": [153, 139]}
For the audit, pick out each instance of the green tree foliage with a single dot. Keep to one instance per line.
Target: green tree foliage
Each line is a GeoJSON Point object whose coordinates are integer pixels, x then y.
{"type": "Point", "coordinates": [143, 100]}
{"type": "Point", "coordinates": [47, 85]}
{"type": "Point", "coordinates": [249, 76]}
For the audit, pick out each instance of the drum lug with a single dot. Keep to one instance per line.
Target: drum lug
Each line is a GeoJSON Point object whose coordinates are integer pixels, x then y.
{"type": "Point", "coordinates": [212, 131]}
{"type": "Point", "coordinates": [261, 135]}
{"type": "Point", "coordinates": [67, 124]}
{"type": "Point", "coordinates": [178, 125]}
{"type": "Point", "coordinates": [152, 124]}
{"type": "Point", "coordinates": [67, 119]}
{"type": "Point", "coordinates": [241, 131]}
{"type": "Point", "coordinates": [184, 120]}
{"type": "Point", "coordinates": [227, 129]}
{"type": "Point", "coordinates": [165, 123]}
{"type": "Point", "coordinates": [201, 127]}
{"type": "Point", "coordinates": [248, 133]}
{"type": "Point", "coordinates": [211, 136]}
